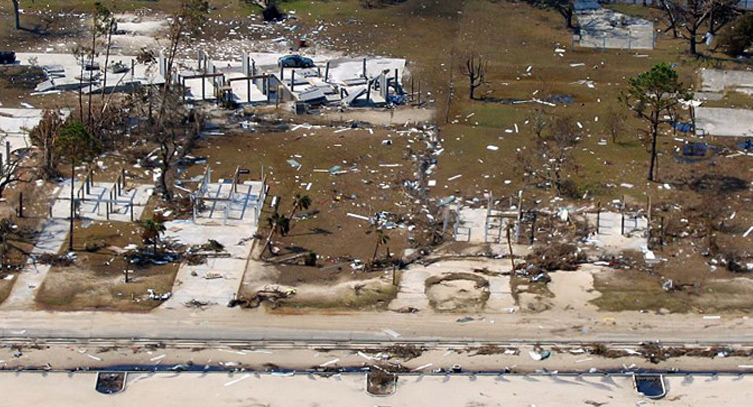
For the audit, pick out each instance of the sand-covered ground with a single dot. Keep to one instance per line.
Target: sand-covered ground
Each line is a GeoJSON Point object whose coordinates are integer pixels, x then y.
{"type": "Point", "coordinates": [249, 389]}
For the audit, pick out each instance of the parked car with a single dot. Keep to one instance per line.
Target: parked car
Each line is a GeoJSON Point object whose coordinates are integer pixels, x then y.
{"type": "Point", "coordinates": [7, 57]}
{"type": "Point", "coordinates": [295, 61]}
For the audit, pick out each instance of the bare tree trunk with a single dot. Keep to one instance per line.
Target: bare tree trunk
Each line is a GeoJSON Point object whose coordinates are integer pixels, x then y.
{"type": "Point", "coordinates": [91, 61]}
{"type": "Point", "coordinates": [654, 136]}
{"type": "Point", "coordinates": [268, 242]}
{"type": "Point", "coordinates": [693, 41]}
{"type": "Point", "coordinates": [107, 59]}
{"type": "Point", "coordinates": [17, 14]}
{"type": "Point", "coordinates": [80, 90]}
{"type": "Point", "coordinates": [165, 167]}
{"type": "Point", "coordinates": [73, 204]}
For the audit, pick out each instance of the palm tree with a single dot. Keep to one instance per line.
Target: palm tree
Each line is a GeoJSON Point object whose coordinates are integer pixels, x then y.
{"type": "Point", "coordinates": [382, 238]}
{"type": "Point", "coordinates": [277, 224]}
{"type": "Point", "coordinates": [299, 202]}
{"type": "Point", "coordinates": [153, 229]}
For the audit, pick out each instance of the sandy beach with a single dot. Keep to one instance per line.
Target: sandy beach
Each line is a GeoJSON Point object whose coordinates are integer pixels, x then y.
{"type": "Point", "coordinates": [252, 389]}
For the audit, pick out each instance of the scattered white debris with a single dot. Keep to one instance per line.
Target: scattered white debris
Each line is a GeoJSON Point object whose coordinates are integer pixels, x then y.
{"type": "Point", "coordinates": [365, 356]}
{"type": "Point", "coordinates": [422, 367]}
{"type": "Point", "coordinates": [391, 333]}
{"type": "Point", "coordinates": [331, 362]}
{"type": "Point", "coordinates": [747, 232]}
{"type": "Point", "coordinates": [238, 380]}
{"type": "Point", "coordinates": [353, 215]}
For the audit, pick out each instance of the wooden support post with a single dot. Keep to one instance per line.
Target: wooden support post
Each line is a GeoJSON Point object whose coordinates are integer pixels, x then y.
{"type": "Point", "coordinates": [648, 217]}
{"type": "Point", "coordinates": [520, 216]}
{"type": "Point", "coordinates": [509, 247]}
{"type": "Point", "coordinates": [326, 72]}
{"type": "Point", "coordinates": [20, 204]}
{"type": "Point", "coordinates": [2, 166]}
{"type": "Point", "coordinates": [663, 234]}
{"type": "Point", "coordinates": [248, 90]}
{"type": "Point", "coordinates": [364, 69]}
{"type": "Point", "coordinates": [622, 213]}
{"type": "Point", "coordinates": [214, 81]}
{"type": "Point", "coordinates": [598, 216]}
{"type": "Point", "coordinates": [203, 88]}
{"type": "Point", "coordinates": [131, 205]}
{"type": "Point", "coordinates": [292, 81]}
{"type": "Point", "coordinates": [533, 229]}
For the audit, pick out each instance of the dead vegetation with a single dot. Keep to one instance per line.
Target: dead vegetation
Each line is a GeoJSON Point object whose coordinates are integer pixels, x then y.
{"type": "Point", "coordinates": [558, 256]}
{"type": "Point", "coordinates": [380, 382]}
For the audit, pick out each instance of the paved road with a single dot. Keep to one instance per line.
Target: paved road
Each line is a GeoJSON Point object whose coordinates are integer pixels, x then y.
{"type": "Point", "coordinates": [246, 325]}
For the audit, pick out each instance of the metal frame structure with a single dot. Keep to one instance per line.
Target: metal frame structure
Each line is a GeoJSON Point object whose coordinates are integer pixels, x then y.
{"type": "Point", "coordinates": [202, 195]}
{"type": "Point", "coordinates": [116, 192]}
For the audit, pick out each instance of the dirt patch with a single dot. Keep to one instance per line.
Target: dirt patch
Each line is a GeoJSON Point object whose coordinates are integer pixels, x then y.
{"type": "Point", "coordinates": [97, 281]}
{"type": "Point", "coordinates": [372, 182]}
{"type": "Point", "coordinates": [629, 290]}
{"type": "Point", "coordinates": [20, 77]}
{"type": "Point", "coordinates": [530, 296]}
{"type": "Point", "coordinates": [300, 275]}
{"type": "Point", "coordinates": [6, 286]}
{"type": "Point", "coordinates": [457, 292]}
{"type": "Point", "coordinates": [366, 295]}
